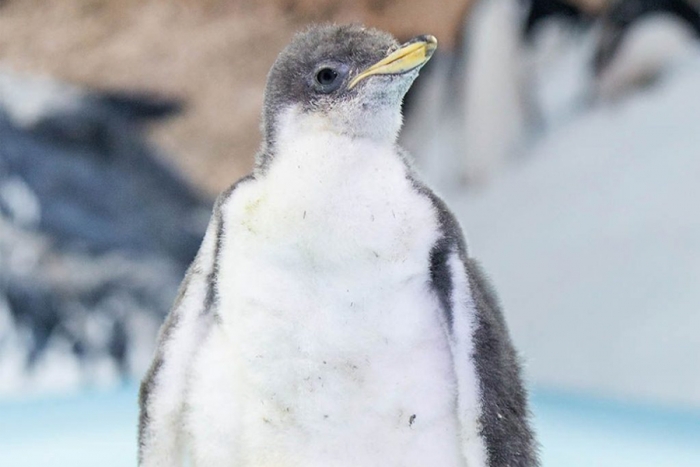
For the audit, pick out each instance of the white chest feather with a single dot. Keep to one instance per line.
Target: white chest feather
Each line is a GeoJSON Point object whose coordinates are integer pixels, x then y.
{"type": "Point", "coordinates": [331, 348]}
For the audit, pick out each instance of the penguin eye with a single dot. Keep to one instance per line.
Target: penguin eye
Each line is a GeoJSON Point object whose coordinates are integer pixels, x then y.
{"type": "Point", "coordinates": [329, 77]}
{"type": "Point", "coordinates": [326, 76]}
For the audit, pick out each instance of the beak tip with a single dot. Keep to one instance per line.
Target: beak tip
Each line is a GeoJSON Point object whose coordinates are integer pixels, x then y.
{"type": "Point", "coordinates": [431, 46]}
{"type": "Point", "coordinates": [430, 42]}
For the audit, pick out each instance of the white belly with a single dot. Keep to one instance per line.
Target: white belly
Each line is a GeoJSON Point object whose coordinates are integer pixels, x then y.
{"type": "Point", "coordinates": [361, 382]}
{"type": "Point", "coordinates": [331, 350]}
{"type": "Point", "coordinates": [346, 384]}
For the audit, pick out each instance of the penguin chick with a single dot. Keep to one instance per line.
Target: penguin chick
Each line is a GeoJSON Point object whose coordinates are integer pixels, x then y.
{"type": "Point", "coordinates": [333, 316]}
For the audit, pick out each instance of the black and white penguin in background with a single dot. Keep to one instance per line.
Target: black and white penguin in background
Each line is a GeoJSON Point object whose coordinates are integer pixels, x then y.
{"type": "Point", "coordinates": [95, 233]}
{"type": "Point", "coordinates": [480, 102]}
{"type": "Point", "coordinates": [559, 39]}
{"type": "Point", "coordinates": [333, 315]}
{"type": "Point", "coordinates": [640, 40]}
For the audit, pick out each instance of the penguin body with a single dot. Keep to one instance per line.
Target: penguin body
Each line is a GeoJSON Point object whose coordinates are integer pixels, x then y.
{"type": "Point", "coordinates": [318, 344]}
{"type": "Point", "coordinates": [332, 316]}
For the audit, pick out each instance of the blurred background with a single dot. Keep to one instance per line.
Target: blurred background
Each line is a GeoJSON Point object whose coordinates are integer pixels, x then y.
{"type": "Point", "coordinates": [565, 134]}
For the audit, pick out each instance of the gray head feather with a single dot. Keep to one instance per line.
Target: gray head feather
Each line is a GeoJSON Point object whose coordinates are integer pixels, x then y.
{"type": "Point", "coordinates": [346, 49]}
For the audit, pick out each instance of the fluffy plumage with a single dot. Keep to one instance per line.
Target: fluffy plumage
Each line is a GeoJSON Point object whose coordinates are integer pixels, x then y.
{"type": "Point", "coordinates": [332, 315]}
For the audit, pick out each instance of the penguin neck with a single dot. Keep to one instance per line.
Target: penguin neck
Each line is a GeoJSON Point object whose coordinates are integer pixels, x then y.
{"type": "Point", "coordinates": [315, 148]}
{"type": "Point", "coordinates": [347, 125]}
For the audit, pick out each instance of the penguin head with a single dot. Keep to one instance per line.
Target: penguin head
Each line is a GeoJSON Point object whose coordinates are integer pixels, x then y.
{"type": "Point", "coordinates": [344, 79]}
{"type": "Point", "coordinates": [540, 12]}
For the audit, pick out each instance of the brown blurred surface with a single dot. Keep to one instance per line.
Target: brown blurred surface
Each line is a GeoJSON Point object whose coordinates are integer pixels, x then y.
{"type": "Point", "coordinates": [214, 56]}
{"type": "Point", "coordinates": [213, 53]}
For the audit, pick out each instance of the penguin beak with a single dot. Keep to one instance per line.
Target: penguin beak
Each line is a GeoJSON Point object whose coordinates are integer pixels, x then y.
{"type": "Point", "coordinates": [409, 56]}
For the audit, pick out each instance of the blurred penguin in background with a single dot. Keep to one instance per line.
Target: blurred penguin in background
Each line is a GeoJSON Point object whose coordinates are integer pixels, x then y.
{"type": "Point", "coordinates": [95, 234]}
{"type": "Point", "coordinates": [480, 102]}
{"type": "Point", "coordinates": [640, 40]}
{"type": "Point", "coordinates": [434, 119]}
{"type": "Point", "coordinates": [497, 108]}
{"type": "Point", "coordinates": [559, 40]}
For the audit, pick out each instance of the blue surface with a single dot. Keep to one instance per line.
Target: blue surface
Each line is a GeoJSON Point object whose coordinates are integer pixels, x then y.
{"type": "Point", "coordinates": [99, 429]}
{"type": "Point", "coordinates": [578, 431]}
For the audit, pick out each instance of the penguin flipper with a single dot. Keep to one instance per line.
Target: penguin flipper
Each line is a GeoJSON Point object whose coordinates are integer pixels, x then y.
{"type": "Point", "coordinates": [163, 390]}
{"type": "Point", "coordinates": [505, 415]}
{"type": "Point", "coordinates": [491, 397]}
{"type": "Point", "coordinates": [492, 400]}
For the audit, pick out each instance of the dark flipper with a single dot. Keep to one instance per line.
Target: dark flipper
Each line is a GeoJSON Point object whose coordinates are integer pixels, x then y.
{"type": "Point", "coordinates": [505, 415]}
{"type": "Point", "coordinates": [482, 349]}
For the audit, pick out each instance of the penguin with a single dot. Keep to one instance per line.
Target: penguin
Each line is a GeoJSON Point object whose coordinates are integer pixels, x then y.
{"type": "Point", "coordinates": [559, 38]}
{"type": "Point", "coordinates": [542, 13]}
{"type": "Point", "coordinates": [467, 115]}
{"type": "Point", "coordinates": [96, 231]}
{"type": "Point", "coordinates": [333, 315]}
{"type": "Point", "coordinates": [486, 99]}
{"type": "Point", "coordinates": [434, 120]}
{"type": "Point", "coordinates": [639, 41]}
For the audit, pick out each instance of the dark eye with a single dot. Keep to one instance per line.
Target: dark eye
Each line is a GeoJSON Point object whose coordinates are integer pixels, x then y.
{"type": "Point", "coordinates": [326, 76]}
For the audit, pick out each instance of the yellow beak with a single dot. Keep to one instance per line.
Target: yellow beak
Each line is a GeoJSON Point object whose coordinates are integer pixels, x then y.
{"type": "Point", "coordinates": [410, 56]}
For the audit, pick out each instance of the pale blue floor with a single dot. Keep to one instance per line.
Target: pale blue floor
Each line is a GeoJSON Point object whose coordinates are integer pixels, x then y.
{"type": "Point", "coordinates": [99, 429]}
